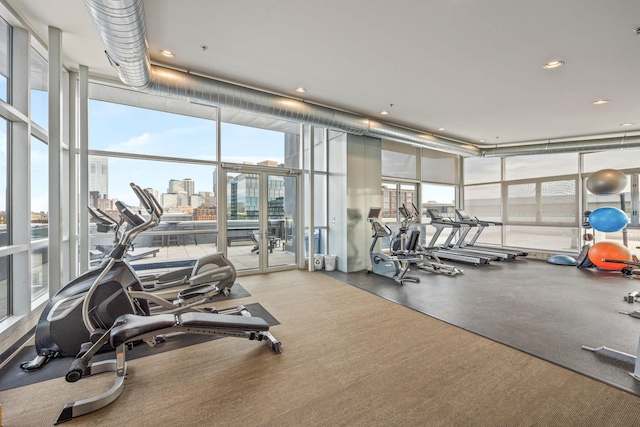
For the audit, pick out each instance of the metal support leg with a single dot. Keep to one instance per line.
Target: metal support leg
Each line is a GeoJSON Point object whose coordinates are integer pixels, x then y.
{"type": "Point", "coordinates": [619, 355]}
{"type": "Point", "coordinates": [85, 406]}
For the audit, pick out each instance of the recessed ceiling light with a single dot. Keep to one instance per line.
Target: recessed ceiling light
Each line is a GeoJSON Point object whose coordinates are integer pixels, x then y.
{"type": "Point", "coordinates": [440, 128]}
{"type": "Point", "coordinates": [627, 124]}
{"type": "Point", "coordinates": [384, 113]}
{"type": "Point", "coordinates": [168, 53]}
{"type": "Point", "coordinates": [600, 102]}
{"type": "Point", "coordinates": [553, 64]}
{"type": "Point", "coordinates": [301, 90]}
{"type": "Point", "coordinates": [482, 140]}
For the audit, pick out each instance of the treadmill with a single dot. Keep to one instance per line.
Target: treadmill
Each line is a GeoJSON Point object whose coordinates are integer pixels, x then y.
{"type": "Point", "coordinates": [445, 251]}
{"type": "Point", "coordinates": [464, 217]}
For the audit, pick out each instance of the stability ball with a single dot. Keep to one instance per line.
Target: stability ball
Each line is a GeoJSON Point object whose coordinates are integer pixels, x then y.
{"type": "Point", "coordinates": [608, 219]}
{"type": "Point", "coordinates": [608, 250]}
{"type": "Point", "coordinates": [607, 181]}
{"type": "Point", "coordinates": [562, 260]}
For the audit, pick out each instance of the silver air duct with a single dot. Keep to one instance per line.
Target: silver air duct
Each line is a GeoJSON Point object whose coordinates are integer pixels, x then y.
{"type": "Point", "coordinates": [120, 24]}
{"type": "Point", "coordinates": [625, 142]}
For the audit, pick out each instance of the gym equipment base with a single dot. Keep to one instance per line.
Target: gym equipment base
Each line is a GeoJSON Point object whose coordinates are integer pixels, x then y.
{"type": "Point", "coordinates": [129, 328]}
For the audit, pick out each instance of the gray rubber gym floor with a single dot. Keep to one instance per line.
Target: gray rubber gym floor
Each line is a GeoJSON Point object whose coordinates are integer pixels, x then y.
{"type": "Point", "coordinates": [545, 310]}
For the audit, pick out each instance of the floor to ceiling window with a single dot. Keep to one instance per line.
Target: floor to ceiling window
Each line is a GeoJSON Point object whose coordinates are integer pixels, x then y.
{"type": "Point", "coordinates": [5, 39]}
{"type": "Point", "coordinates": [261, 203]}
{"type": "Point", "coordinates": [440, 182]}
{"type": "Point", "coordinates": [482, 194]}
{"type": "Point", "coordinates": [5, 288]}
{"type": "Point", "coordinates": [39, 218]}
{"type": "Point", "coordinates": [536, 198]}
{"type": "Point", "coordinates": [39, 89]}
{"type": "Point", "coordinates": [25, 228]}
{"type": "Point", "coordinates": [39, 169]}
{"type": "Point", "coordinates": [171, 155]}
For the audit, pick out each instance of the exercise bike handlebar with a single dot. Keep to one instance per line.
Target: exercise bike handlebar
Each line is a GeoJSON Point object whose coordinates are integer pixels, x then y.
{"type": "Point", "coordinates": [408, 216]}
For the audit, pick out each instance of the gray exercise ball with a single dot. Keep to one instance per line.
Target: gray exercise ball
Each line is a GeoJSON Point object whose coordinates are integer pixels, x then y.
{"type": "Point", "coordinates": [607, 181]}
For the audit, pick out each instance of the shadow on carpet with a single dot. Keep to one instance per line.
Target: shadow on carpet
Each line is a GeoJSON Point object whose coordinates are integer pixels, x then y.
{"type": "Point", "coordinates": [547, 311]}
{"type": "Point", "coordinates": [12, 376]}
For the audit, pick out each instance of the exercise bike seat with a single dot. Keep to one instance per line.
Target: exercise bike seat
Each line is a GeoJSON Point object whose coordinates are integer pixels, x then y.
{"type": "Point", "coordinates": [130, 326]}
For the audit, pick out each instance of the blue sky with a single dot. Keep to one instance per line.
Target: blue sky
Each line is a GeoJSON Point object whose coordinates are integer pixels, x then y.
{"type": "Point", "coordinates": [125, 129]}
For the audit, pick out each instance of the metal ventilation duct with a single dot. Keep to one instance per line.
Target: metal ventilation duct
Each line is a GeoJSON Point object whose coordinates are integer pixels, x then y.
{"type": "Point", "coordinates": [620, 143]}
{"type": "Point", "coordinates": [120, 24]}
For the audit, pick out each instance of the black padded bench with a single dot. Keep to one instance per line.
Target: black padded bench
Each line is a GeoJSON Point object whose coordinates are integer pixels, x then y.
{"type": "Point", "coordinates": [130, 327]}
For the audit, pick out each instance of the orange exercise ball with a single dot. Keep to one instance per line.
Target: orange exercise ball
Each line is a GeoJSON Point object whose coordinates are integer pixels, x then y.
{"type": "Point", "coordinates": [609, 250]}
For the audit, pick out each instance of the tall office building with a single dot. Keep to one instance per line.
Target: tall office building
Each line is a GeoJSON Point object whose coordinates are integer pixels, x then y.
{"type": "Point", "coordinates": [189, 186]}
{"type": "Point", "coordinates": [208, 198]}
{"type": "Point", "coordinates": [169, 200]}
{"type": "Point", "coordinates": [195, 200]}
{"type": "Point", "coordinates": [175, 186]}
{"type": "Point", "coordinates": [183, 198]}
{"type": "Point", "coordinates": [99, 175]}
{"type": "Point", "coordinates": [243, 200]}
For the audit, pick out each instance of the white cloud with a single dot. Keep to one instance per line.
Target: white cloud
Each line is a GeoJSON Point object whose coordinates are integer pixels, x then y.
{"type": "Point", "coordinates": [137, 144]}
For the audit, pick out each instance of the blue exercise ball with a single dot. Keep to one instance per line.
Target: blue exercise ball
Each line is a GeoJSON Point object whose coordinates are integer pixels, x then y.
{"type": "Point", "coordinates": [562, 260]}
{"type": "Point", "coordinates": [607, 181]}
{"type": "Point", "coordinates": [608, 219]}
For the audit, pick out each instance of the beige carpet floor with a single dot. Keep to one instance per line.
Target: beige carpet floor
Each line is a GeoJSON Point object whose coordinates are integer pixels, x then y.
{"type": "Point", "coordinates": [349, 358]}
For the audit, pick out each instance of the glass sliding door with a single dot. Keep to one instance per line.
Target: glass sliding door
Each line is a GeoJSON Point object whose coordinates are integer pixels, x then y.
{"type": "Point", "coordinates": [261, 213]}
{"type": "Point", "coordinates": [243, 220]}
{"type": "Point", "coordinates": [281, 221]}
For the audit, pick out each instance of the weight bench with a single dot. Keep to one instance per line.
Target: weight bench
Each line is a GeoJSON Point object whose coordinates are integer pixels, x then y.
{"type": "Point", "coordinates": [130, 327]}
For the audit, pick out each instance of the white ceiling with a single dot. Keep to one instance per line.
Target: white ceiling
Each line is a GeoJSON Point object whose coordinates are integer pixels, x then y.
{"type": "Point", "coordinates": [473, 67]}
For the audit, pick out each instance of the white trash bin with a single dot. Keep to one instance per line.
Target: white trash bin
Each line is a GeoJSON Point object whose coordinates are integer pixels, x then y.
{"type": "Point", "coordinates": [330, 262]}
{"type": "Point", "coordinates": [318, 262]}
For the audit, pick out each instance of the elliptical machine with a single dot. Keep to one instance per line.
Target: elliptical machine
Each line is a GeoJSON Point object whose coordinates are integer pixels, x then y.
{"type": "Point", "coordinates": [409, 245]}
{"type": "Point", "coordinates": [395, 266]}
{"type": "Point", "coordinates": [61, 329]}
{"type": "Point", "coordinates": [209, 268]}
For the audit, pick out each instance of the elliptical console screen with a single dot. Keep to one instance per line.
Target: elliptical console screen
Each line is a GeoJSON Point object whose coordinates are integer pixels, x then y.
{"type": "Point", "coordinates": [462, 214]}
{"type": "Point", "coordinates": [374, 213]}
{"type": "Point", "coordinates": [133, 218]}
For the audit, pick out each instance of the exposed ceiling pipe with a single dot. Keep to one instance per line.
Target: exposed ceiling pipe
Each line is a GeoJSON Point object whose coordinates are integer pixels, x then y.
{"type": "Point", "coordinates": [621, 143]}
{"type": "Point", "coordinates": [121, 26]}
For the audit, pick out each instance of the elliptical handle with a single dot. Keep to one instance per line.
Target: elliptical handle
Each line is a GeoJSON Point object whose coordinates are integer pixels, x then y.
{"type": "Point", "coordinates": [153, 199]}
{"type": "Point", "coordinates": [142, 196]}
